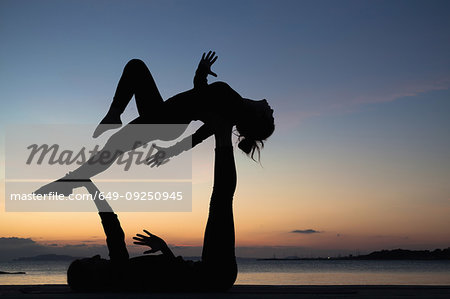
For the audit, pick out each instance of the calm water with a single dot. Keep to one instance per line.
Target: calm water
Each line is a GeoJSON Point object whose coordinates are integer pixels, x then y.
{"type": "Point", "coordinates": [277, 272]}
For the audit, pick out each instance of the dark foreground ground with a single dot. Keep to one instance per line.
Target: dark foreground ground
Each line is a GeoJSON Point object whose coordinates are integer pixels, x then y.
{"type": "Point", "coordinates": [242, 291]}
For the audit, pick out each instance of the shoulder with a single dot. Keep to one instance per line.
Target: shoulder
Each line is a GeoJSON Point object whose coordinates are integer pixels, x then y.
{"type": "Point", "coordinates": [219, 84]}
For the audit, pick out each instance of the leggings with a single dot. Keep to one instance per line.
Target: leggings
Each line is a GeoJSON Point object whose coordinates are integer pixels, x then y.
{"type": "Point", "coordinates": [136, 80]}
{"type": "Point", "coordinates": [218, 255]}
{"type": "Point", "coordinates": [218, 269]}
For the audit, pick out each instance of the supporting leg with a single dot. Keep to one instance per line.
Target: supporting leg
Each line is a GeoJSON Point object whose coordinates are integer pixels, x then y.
{"type": "Point", "coordinates": [218, 253]}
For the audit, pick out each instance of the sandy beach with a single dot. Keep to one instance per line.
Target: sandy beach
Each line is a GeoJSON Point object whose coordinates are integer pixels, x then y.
{"type": "Point", "coordinates": [243, 291]}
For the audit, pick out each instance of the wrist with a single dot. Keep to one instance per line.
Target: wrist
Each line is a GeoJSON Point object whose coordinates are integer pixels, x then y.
{"type": "Point", "coordinates": [166, 250]}
{"type": "Point", "coordinates": [201, 71]}
{"type": "Point", "coordinates": [164, 247]}
{"type": "Point", "coordinates": [183, 145]}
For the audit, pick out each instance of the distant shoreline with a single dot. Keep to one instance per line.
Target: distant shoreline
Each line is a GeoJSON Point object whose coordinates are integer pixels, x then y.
{"type": "Point", "coordinates": [396, 254]}
{"type": "Point", "coordinates": [46, 257]}
{"type": "Point", "coordinates": [14, 273]}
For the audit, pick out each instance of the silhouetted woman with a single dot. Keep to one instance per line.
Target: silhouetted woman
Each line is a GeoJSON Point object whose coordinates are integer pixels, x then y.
{"type": "Point", "coordinates": [217, 269]}
{"type": "Point", "coordinates": [210, 103]}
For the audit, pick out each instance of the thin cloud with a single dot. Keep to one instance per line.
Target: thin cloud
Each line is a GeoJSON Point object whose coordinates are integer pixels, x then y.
{"type": "Point", "coordinates": [410, 89]}
{"type": "Point", "coordinates": [305, 231]}
{"type": "Point", "coordinates": [331, 104]}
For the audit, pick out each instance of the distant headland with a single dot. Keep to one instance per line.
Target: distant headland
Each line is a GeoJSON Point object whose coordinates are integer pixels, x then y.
{"type": "Point", "coordinates": [47, 257]}
{"type": "Point", "coordinates": [396, 254]}
{"type": "Point", "coordinates": [6, 272]}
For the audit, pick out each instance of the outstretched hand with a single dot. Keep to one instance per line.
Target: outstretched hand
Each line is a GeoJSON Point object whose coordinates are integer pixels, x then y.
{"type": "Point", "coordinates": [154, 242]}
{"type": "Point", "coordinates": [161, 157]}
{"type": "Point", "coordinates": [207, 61]}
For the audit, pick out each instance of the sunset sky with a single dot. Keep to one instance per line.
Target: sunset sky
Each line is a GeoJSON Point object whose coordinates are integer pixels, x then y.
{"type": "Point", "coordinates": [359, 161]}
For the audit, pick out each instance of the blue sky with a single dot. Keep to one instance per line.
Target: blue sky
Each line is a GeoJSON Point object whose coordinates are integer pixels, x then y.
{"type": "Point", "coordinates": [306, 57]}
{"type": "Point", "coordinates": [360, 89]}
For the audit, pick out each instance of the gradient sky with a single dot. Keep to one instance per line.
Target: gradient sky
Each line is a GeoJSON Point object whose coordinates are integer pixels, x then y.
{"type": "Point", "coordinates": [360, 89]}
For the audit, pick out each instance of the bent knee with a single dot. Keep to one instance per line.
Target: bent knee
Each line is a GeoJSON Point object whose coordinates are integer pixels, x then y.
{"type": "Point", "coordinates": [135, 64]}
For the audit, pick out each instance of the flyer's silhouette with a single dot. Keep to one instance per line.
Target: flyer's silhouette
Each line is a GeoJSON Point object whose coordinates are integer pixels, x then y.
{"type": "Point", "coordinates": [217, 269]}
{"type": "Point", "coordinates": [220, 108]}
{"type": "Point", "coordinates": [210, 103]}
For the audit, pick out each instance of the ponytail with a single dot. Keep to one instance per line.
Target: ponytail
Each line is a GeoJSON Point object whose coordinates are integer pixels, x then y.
{"type": "Point", "coordinates": [250, 146]}
{"type": "Point", "coordinates": [253, 129]}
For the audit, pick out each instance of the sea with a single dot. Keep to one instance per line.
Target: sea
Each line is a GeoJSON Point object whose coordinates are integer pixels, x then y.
{"type": "Point", "coordinates": [275, 272]}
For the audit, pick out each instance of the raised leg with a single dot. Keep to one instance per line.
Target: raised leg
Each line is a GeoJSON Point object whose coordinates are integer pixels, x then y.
{"type": "Point", "coordinates": [137, 81]}
{"type": "Point", "coordinates": [128, 138]}
{"type": "Point", "coordinates": [218, 254]}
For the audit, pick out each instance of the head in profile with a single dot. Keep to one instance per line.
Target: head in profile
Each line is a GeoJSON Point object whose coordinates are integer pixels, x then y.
{"type": "Point", "coordinates": [255, 125]}
{"type": "Point", "coordinates": [89, 274]}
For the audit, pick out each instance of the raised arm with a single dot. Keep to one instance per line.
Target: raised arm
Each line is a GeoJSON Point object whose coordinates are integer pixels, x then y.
{"type": "Point", "coordinates": [115, 237]}
{"type": "Point", "coordinates": [204, 69]}
{"type": "Point", "coordinates": [154, 242]}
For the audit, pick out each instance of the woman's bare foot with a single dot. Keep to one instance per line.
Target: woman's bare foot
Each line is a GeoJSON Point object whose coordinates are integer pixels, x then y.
{"type": "Point", "coordinates": [64, 185]}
